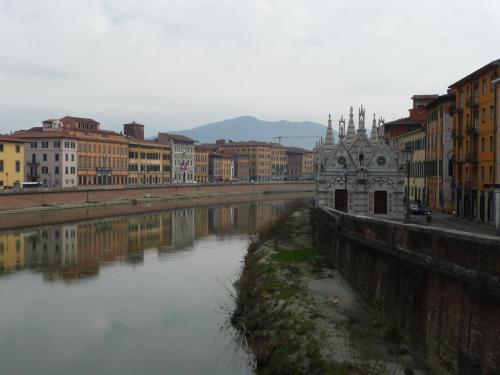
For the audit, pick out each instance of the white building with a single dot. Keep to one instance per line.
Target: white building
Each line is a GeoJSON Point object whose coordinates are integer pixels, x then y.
{"type": "Point", "coordinates": [182, 151]}
{"type": "Point", "coordinates": [50, 154]}
{"type": "Point", "coordinates": [359, 175]}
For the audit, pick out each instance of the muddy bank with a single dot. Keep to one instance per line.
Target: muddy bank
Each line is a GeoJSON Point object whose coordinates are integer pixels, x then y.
{"type": "Point", "coordinates": [299, 317]}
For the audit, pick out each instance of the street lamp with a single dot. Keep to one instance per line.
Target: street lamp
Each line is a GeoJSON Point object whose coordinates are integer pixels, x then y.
{"type": "Point", "coordinates": [408, 156]}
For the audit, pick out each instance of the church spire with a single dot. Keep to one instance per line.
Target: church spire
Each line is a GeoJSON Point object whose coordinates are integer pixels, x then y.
{"type": "Point", "coordinates": [329, 141]}
{"type": "Point", "coordinates": [351, 129]}
{"type": "Point", "coordinates": [374, 132]}
{"type": "Point", "coordinates": [341, 128]}
{"type": "Point", "coordinates": [361, 119]}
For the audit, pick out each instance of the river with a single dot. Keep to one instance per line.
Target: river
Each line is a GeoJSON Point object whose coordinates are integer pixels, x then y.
{"type": "Point", "coordinates": [132, 294]}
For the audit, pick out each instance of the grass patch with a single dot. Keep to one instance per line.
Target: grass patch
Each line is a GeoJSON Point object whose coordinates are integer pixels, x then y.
{"type": "Point", "coordinates": [293, 256]}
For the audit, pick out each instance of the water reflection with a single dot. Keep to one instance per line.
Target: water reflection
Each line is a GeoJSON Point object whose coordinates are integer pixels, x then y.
{"type": "Point", "coordinates": [79, 250]}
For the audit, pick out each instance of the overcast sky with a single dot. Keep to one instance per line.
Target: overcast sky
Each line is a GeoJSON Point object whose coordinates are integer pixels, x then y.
{"type": "Point", "coordinates": [176, 64]}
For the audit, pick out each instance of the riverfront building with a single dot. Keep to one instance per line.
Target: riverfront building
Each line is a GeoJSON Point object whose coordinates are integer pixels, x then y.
{"type": "Point", "coordinates": [182, 153]}
{"type": "Point", "coordinates": [220, 167]}
{"type": "Point", "coordinates": [148, 161]}
{"type": "Point", "coordinates": [360, 174]}
{"type": "Point", "coordinates": [439, 154]}
{"type": "Point", "coordinates": [476, 143]}
{"type": "Point", "coordinates": [201, 164]}
{"type": "Point", "coordinates": [416, 140]}
{"type": "Point", "coordinates": [259, 158]}
{"type": "Point", "coordinates": [11, 161]}
{"type": "Point", "coordinates": [279, 164]}
{"type": "Point", "coordinates": [50, 154]}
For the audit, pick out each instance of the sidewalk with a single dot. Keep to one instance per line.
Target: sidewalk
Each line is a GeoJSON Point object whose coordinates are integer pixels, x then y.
{"type": "Point", "coordinates": [452, 222]}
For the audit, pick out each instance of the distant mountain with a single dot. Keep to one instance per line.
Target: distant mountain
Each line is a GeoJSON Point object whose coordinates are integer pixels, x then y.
{"type": "Point", "coordinates": [245, 128]}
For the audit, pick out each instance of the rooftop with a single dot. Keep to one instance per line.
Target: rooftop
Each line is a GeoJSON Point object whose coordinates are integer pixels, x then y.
{"type": "Point", "coordinates": [8, 138]}
{"type": "Point", "coordinates": [476, 73]}
{"type": "Point", "coordinates": [178, 137]}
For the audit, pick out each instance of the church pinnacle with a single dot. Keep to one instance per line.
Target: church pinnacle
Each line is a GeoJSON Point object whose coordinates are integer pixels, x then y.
{"type": "Point", "coordinates": [329, 141]}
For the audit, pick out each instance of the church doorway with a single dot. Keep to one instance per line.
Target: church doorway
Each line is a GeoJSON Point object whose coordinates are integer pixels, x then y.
{"type": "Point", "coordinates": [341, 196]}
{"type": "Point", "coordinates": [380, 203]}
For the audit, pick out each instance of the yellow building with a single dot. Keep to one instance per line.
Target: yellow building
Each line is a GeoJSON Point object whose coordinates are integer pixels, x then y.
{"type": "Point", "coordinates": [11, 251]}
{"type": "Point", "coordinates": [201, 164]}
{"type": "Point", "coordinates": [148, 163]}
{"type": "Point", "coordinates": [474, 142]}
{"type": "Point", "coordinates": [11, 161]}
{"type": "Point", "coordinates": [415, 139]}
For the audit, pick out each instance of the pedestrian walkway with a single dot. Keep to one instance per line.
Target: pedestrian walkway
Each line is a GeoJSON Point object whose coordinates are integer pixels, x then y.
{"type": "Point", "coordinates": [452, 222]}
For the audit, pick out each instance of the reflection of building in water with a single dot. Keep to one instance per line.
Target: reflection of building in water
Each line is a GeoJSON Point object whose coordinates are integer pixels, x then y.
{"type": "Point", "coordinates": [102, 241]}
{"type": "Point", "coordinates": [53, 248]}
{"type": "Point", "coordinates": [11, 251]}
{"type": "Point", "coordinates": [201, 222]}
{"type": "Point", "coordinates": [221, 219]}
{"type": "Point", "coordinates": [263, 216]}
{"type": "Point", "coordinates": [242, 218]}
{"type": "Point", "coordinates": [182, 227]}
{"type": "Point", "coordinates": [145, 231]}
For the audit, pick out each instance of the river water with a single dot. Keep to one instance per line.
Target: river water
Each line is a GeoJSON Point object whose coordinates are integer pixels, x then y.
{"type": "Point", "coordinates": [133, 294]}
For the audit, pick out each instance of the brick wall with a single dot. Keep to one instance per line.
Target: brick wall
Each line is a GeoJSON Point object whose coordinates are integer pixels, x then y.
{"type": "Point", "coordinates": [439, 286]}
{"type": "Point", "coordinates": [27, 199]}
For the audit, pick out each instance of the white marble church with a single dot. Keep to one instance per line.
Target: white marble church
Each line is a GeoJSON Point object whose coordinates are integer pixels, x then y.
{"type": "Point", "coordinates": [359, 174]}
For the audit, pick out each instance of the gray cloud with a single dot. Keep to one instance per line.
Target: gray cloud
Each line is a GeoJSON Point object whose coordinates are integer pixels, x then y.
{"type": "Point", "coordinates": [175, 64]}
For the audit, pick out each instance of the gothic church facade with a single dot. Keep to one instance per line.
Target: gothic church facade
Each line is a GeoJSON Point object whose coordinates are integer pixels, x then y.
{"type": "Point", "coordinates": [359, 174]}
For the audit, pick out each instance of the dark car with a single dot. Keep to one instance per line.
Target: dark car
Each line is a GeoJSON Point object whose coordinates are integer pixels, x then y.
{"type": "Point", "coordinates": [416, 209]}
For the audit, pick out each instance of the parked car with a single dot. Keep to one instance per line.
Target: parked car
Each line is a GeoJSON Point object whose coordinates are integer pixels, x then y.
{"type": "Point", "coordinates": [415, 209]}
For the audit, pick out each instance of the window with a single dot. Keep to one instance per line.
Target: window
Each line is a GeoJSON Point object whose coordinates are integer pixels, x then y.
{"type": "Point", "coordinates": [484, 86]}
{"type": "Point", "coordinates": [492, 115]}
{"type": "Point", "coordinates": [483, 144]}
{"type": "Point", "coordinates": [18, 166]}
{"type": "Point", "coordinates": [72, 157]}
{"type": "Point", "coordinates": [44, 157]}
{"type": "Point", "coordinates": [56, 156]}
{"type": "Point", "coordinates": [18, 149]}
{"type": "Point", "coordinates": [1, 147]}
{"type": "Point", "coordinates": [492, 88]}
{"type": "Point", "coordinates": [73, 169]}
{"type": "Point", "coordinates": [45, 144]}
{"type": "Point", "coordinates": [483, 115]}
{"type": "Point", "coordinates": [45, 170]}
{"type": "Point", "coordinates": [57, 144]}
{"type": "Point", "coordinates": [491, 143]}
{"type": "Point", "coordinates": [1, 165]}
{"type": "Point", "coordinates": [491, 173]}
{"type": "Point", "coordinates": [56, 170]}
{"type": "Point", "coordinates": [66, 172]}
{"type": "Point", "coordinates": [66, 157]}
{"type": "Point", "coordinates": [33, 144]}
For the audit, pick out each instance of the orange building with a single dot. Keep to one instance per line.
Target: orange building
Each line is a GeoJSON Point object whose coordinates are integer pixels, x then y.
{"type": "Point", "coordinates": [201, 163]}
{"type": "Point", "coordinates": [259, 158]}
{"type": "Point", "coordinates": [440, 194]}
{"type": "Point", "coordinates": [474, 143]}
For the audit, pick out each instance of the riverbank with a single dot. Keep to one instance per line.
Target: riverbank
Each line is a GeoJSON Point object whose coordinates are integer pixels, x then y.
{"type": "Point", "coordinates": [46, 200]}
{"type": "Point", "coordinates": [297, 316]}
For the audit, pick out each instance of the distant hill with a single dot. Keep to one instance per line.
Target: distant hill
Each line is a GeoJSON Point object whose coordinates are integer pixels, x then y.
{"type": "Point", "coordinates": [247, 128]}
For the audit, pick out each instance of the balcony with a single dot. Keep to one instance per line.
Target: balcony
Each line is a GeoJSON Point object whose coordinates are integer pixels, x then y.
{"type": "Point", "coordinates": [472, 130]}
{"type": "Point", "coordinates": [472, 101]}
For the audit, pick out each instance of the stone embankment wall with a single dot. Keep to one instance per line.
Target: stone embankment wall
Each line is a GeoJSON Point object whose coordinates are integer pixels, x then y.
{"type": "Point", "coordinates": [15, 199]}
{"type": "Point", "coordinates": [440, 287]}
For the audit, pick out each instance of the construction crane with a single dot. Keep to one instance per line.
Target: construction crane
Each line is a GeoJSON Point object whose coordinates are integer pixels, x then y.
{"type": "Point", "coordinates": [279, 138]}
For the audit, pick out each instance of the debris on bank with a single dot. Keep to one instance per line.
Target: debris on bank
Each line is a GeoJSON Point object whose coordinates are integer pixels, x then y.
{"type": "Point", "coordinates": [299, 317]}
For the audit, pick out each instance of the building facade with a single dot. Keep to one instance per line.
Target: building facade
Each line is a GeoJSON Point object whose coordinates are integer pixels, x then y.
{"type": "Point", "coordinates": [50, 155]}
{"type": "Point", "coordinates": [148, 162]}
{"type": "Point", "coordinates": [359, 175]}
{"type": "Point", "coordinates": [220, 167]}
{"type": "Point", "coordinates": [183, 155]}
{"type": "Point", "coordinates": [259, 158]}
{"type": "Point", "coordinates": [11, 161]}
{"type": "Point", "coordinates": [475, 143]}
{"type": "Point", "coordinates": [439, 154]}
{"type": "Point", "coordinates": [201, 164]}
{"type": "Point", "coordinates": [416, 141]}
{"type": "Point", "coordinates": [279, 162]}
